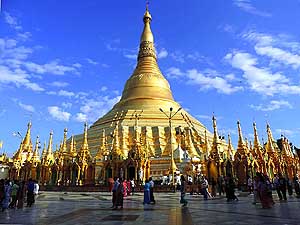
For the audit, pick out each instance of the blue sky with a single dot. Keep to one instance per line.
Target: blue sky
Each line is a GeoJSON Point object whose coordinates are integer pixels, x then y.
{"type": "Point", "coordinates": [62, 63]}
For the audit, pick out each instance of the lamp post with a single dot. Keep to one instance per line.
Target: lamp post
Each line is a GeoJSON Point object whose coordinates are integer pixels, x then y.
{"type": "Point", "coordinates": [173, 165]}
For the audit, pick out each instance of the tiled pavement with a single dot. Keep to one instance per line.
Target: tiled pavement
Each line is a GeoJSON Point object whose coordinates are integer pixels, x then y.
{"type": "Point", "coordinates": [94, 208]}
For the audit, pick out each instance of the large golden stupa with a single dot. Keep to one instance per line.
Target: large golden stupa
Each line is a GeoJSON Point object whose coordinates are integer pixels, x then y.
{"type": "Point", "coordinates": [142, 116]}
{"type": "Point", "coordinates": [147, 133]}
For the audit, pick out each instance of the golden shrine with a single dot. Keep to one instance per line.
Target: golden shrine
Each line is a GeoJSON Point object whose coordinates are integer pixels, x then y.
{"type": "Point", "coordinates": [147, 133]}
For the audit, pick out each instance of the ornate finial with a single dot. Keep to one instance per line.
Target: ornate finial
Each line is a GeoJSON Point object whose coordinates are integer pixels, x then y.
{"type": "Point", "coordinates": [270, 146]}
{"type": "Point", "coordinates": [147, 41]}
{"type": "Point", "coordinates": [256, 143]}
{"type": "Point", "coordinates": [85, 145]}
{"type": "Point", "coordinates": [49, 149]}
{"type": "Point", "coordinates": [27, 144]}
{"type": "Point", "coordinates": [215, 129]}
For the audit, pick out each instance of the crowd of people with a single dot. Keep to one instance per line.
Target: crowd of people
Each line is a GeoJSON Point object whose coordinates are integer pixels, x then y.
{"type": "Point", "coordinates": [13, 194]}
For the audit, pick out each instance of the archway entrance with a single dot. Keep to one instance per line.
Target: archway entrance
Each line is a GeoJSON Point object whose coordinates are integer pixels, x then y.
{"type": "Point", "coordinates": [130, 172]}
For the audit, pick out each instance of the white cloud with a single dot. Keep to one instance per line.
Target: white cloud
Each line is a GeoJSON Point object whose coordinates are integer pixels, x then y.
{"type": "Point", "coordinates": [130, 56]}
{"type": "Point", "coordinates": [279, 55]}
{"type": "Point", "coordinates": [52, 68]}
{"type": "Point", "coordinates": [63, 93]}
{"type": "Point", "coordinates": [162, 54]}
{"type": "Point", "coordinates": [103, 88]}
{"type": "Point", "coordinates": [18, 77]}
{"type": "Point", "coordinates": [178, 56]}
{"type": "Point", "coordinates": [66, 104]}
{"type": "Point", "coordinates": [59, 84]}
{"type": "Point", "coordinates": [90, 61]}
{"type": "Point", "coordinates": [93, 108]}
{"type": "Point", "coordinates": [286, 132]}
{"type": "Point", "coordinates": [58, 114]}
{"type": "Point", "coordinates": [12, 21]}
{"type": "Point", "coordinates": [80, 117]}
{"type": "Point", "coordinates": [279, 48]}
{"type": "Point", "coordinates": [77, 65]}
{"type": "Point", "coordinates": [28, 108]}
{"type": "Point", "coordinates": [261, 80]}
{"type": "Point", "coordinates": [66, 93]}
{"type": "Point", "coordinates": [174, 72]}
{"type": "Point", "coordinates": [207, 79]}
{"type": "Point", "coordinates": [247, 6]}
{"type": "Point", "coordinates": [273, 105]}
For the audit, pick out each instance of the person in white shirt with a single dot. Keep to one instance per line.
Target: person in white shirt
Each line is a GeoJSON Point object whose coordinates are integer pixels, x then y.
{"type": "Point", "coordinates": [36, 188]}
{"type": "Point", "coordinates": [152, 200]}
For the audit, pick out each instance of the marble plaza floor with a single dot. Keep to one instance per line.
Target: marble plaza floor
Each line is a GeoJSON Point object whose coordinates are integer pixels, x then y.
{"type": "Point", "coordinates": [94, 208]}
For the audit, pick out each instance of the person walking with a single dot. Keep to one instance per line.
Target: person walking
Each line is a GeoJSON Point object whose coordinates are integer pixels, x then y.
{"type": "Point", "coordinates": [114, 192]}
{"type": "Point", "coordinates": [2, 192]}
{"type": "Point", "coordinates": [6, 199]}
{"type": "Point", "coordinates": [264, 190]}
{"type": "Point", "coordinates": [221, 182]}
{"type": "Point", "coordinates": [250, 185]}
{"type": "Point", "coordinates": [183, 201]}
{"type": "Point", "coordinates": [280, 185]}
{"type": "Point", "coordinates": [14, 192]}
{"type": "Point", "coordinates": [125, 189]}
{"type": "Point", "coordinates": [146, 192]}
{"type": "Point", "coordinates": [204, 188]}
{"type": "Point", "coordinates": [213, 187]}
{"type": "Point", "coordinates": [21, 194]}
{"type": "Point", "coordinates": [151, 182]}
{"type": "Point", "coordinates": [30, 194]}
{"type": "Point", "coordinates": [297, 186]}
{"type": "Point", "coordinates": [255, 191]}
{"type": "Point", "coordinates": [119, 195]}
{"type": "Point", "coordinates": [230, 186]}
{"type": "Point", "coordinates": [132, 183]}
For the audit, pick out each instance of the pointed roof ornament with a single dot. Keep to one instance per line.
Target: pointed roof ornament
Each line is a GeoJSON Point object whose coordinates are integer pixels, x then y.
{"type": "Point", "coordinates": [240, 134]}
{"type": "Point", "coordinates": [270, 147]}
{"type": "Point", "coordinates": [64, 143]}
{"type": "Point", "coordinates": [230, 148]}
{"type": "Point", "coordinates": [27, 144]}
{"type": "Point", "coordinates": [216, 137]}
{"type": "Point", "coordinates": [206, 144]}
{"type": "Point", "coordinates": [72, 151]}
{"type": "Point", "coordinates": [241, 148]}
{"type": "Point", "coordinates": [44, 152]}
{"type": "Point", "coordinates": [85, 144]}
{"type": "Point", "coordinates": [36, 154]}
{"type": "Point", "coordinates": [256, 143]}
{"type": "Point", "coordinates": [147, 48]}
{"type": "Point", "coordinates": [49, 149]}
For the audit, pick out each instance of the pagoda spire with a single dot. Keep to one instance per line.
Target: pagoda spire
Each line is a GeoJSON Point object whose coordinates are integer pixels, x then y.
{"type": "Point", "coordinates": [49, 149]}
{"type": "Point", "coordinates": [215, 148]}
{"type": "Point", "coordinates": [27, 139]}
{"type": "Point", "coordinates": [85, 145]}
{"type": "Point", "coordinates": [230, 148]}
{"type": "Point", "coordinates": [64, 143]}
{"type": "Point", "coordinates": [36, 154]}
{"type": "Point", "coordinates": [147, 41]}
{"type": "Point", "coordinates": [206, 144]}
{"type": "Point", "coordinates": [72, 151]}
{"type": "Point", "coordinates": [241, 148]}
{"type": "Point", "coordinates": [44, 152]}
{"type": "Point", "coordinates": [216, 137]}
{"type": "Point", "coordinates": [270, 147]}
{"type": "Point", "coordinates": [256, 143]}
{"type": "Point", "coordinates": [240, 139]}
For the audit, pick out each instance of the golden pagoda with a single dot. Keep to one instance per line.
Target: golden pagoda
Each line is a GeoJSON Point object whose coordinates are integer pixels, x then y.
{"type": "Point", "coordinates": [147, 133]}
{"type": "Point", "coordinates": [150, 140]}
